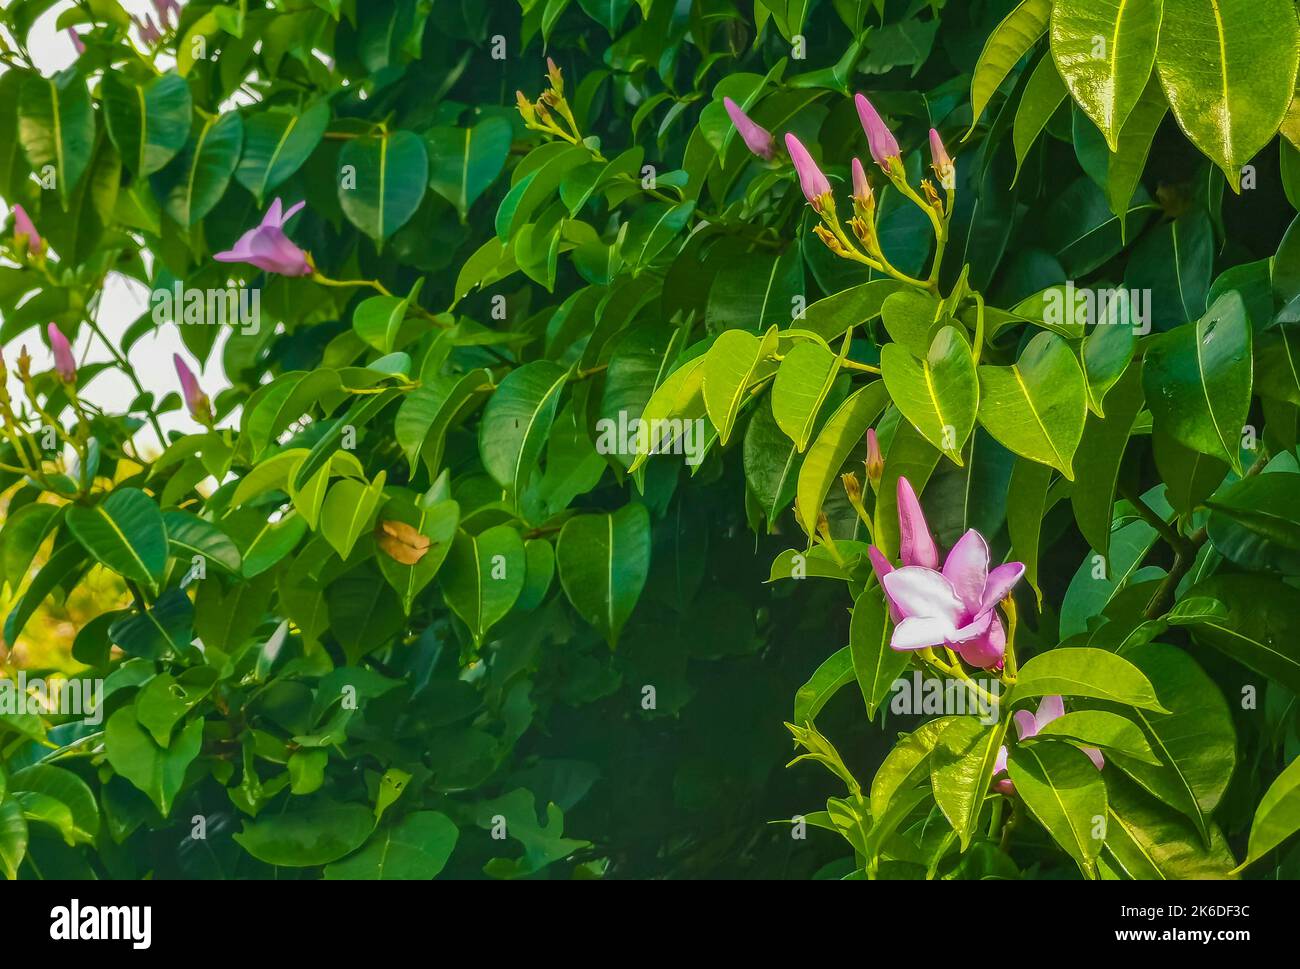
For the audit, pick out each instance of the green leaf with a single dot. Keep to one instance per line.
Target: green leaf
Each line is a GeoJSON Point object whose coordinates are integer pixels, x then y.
{"type": "Point", "coordinates": [604, 560]}
{"type": "Point", "coordinates": [1101, 451]}
{"type": "Point", "coordinates": [1037, 407]}
{"type": "Point", "coordinates": [1254, 619]}
{"type": "Point", "coordinates": [483, 577]}
{"type": "Point", "coordinates": [383, 180]}
{"type": "Point", "coordinates": [1042, 97]}
{"type": "Point", "coordinates": [961, 768]}
{"type": "Point", "coordinates": [1104, 50]}
{"type": "Point", "coordinates": [801, 387]}
{"type": "Point", "coordinates": [771, 462]}
{"type": "Point", "coordinates": [1198, 380]}
{"type": "Point", "coordinates": [316, 835]}
{"type": "Point", "coordinates": [1195, 741]}
{"type": "Point", "coordinates": [56, 126]}
{"type": "Point", "coordinates": [1008, 43]}
{"type": "Point", "coordinates": [13, 837]}
{"type": "Point", "coordinates": [348, 511]}
{"type": "Point", "coordinates": [1066, 795]}
{"type": "Point", "coordinates": [277, 144]}
{"type": "Point", "coordinates": [191, 185]}
{"type": "Point", "coordinates": [1099, 728]}
{"type": "Point", "coordinates": [438, 524]}
{"type": "Point", "coordinates": [416, 848]}
{"type": "Point", "coordinates": [165, 629]}
{"type": "Point", "coordinates": [77, 817]}
{"type": "Point", "coordinates": [1027, 507]}
{"type": "Point", "coordinates": [1124, 171]}
{"type": "Point", "coordinates": [124, 532]}
{"type": "Point", "coordinates": [1278, 815]}
{"type": "Point", "coordinates": [63, 563]}
{"type": "Point", "coordinates": [157, 771]}
{"type": "Point", "coordinates": [189, 536]}
{"type": "Point", "coordinates": [834, 672]}
{"type": "Point", "coordinates": [845, 430]}
{"type": "Point", "coordinates": [1085, 671]}
{"type": "Point", "coordinates": [429, 411]}
{"type": "Point", "coordinates": [940, 394]}
{"type": "Point", "coordinates": [1148, 841]}
{"type": "Point", "coordinates": [463, 162]}
{"type": "Point", "coordinates": [149, 123]}
{"type": "Point", "coordinates": [736, 361]}
{"type": "Point", "coordinates": [516, 422]}
{"type": "Point", "coordinates": [1256, 522]}
{"type": "Point", "coordinates": [875, 664]}
{"type": "Point", "coordinates": [1228, 68]}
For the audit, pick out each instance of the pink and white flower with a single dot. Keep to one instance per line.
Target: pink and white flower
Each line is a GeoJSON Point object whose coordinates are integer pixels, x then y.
{"type": "Point", "coordinates": [1028, 725]}
{"type": "Point", "coordinates": [955, 606]}
{"type": "Point", "coordinates": [267, 247]}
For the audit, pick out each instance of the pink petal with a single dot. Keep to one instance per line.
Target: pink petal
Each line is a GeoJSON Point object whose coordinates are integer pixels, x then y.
{"type": "Point", "coordinates": [1049, 709]}
{"type": "Point", "coordinates": [967, 568]}
{"type": "Point", "coordinates": [1000, 763]}
{"type": "Point", "coordinates": [881, 566]}
{"type": "Point", "coordinates": [1026, 725]}
{"type": "Point", "coordinates": [1000, 582]}
{"type": "Point", "coordinates": [985, 652]}
{"type": "Point", "coordinates": [916, 544]}
{"type": "Point", "coordinates": [976, 629]}
{"type": "Point", "coordinates": [293, 210]}
{"type": "Point", "coordinates": [273, 216]}
{"type": "Point", "coordinates": [1094, 755]}
{"type": "Point", "coordinates": [925, 593]}
{"type": "Point", "coordinates": [861, 187]}
{"type": "Point", "coordinates": [881, 140]}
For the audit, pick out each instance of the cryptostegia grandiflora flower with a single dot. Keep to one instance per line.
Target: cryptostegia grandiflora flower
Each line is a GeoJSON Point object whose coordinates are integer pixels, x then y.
{"type": "Point", "coordinates": [953, 606]}
{"type": "Point", "coordinates": [1028, 725]}
{"type": "Point", "coordinates": [267, 247]}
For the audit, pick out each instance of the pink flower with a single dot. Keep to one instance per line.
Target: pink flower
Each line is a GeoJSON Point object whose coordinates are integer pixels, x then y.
{"type": "Point", "coordinates": [25, 230]}
{"type": "Point", "coordinates": [267, 247]}
{"type": "Point", "coordinates": [77, 42]}
{"type": "Point", "coordinates": [955, 607]}
{"type": "Point", "coordinates": [149, 31]}
{"type": "Point", "coordinates": [164, 9]}
{"type": "Point", "coordinates": [757, 138]}
{"type": "Point", "coordinates": [883, 144]}
{"type": "Point", "coordinates": [811, 180]}
{"type": "Point", "coordinates": [1028, 725]}
{"type": "Point", "coordinates": [195, 399]}
{"type": "Point", "coordinates": [940, 162]}
{"type": "Point", "coordinates": [63, 359]}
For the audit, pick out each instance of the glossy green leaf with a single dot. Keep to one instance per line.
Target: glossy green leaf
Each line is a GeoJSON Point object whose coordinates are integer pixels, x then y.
{"type": "Point", "coordinates": [383, 180]}
{"type": "Point", "coordinates": [277, 144]}
{"type": "Point", "coordinates": [124, 532]}
{"type": "Point", "coordinates": [149, 123]}
{"type": "Point", "coordinates": [56, 127]}
{"type": "Point", "coordinates": [940, 394]}
{"type": "Point", "coordinates": [483, 577]}
{"type": "Point", "coordinates": [1009, 42]}
{"type": "Point", "coordinates": [1089, 672]}
{"type": "Point", "coordinates": [1066, 795]}
{"type": "Point", "coordinates": [192, 183]}
{"type": "Point", "coordinates": [604, 561]}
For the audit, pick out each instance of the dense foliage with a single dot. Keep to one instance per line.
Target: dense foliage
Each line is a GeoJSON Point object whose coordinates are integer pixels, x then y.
{"type": "Point", "coordinates": [577, 431]}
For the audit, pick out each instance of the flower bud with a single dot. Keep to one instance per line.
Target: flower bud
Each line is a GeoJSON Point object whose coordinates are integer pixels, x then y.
{"type": "Point", "coordinates": [852, 488]}
{"type": "Point", "coordinates": [875, 462]}
{"type": "Point", "coordinates": [195, 399]}
{"type": "Point", "coordinates": [941, 163]}
{"type": "Point", "coordinates": [24, 364]}
{"type": "Point", "coordinates": [64, 362]}
{"type": "Point", "coordinates": [884, 147]}
{"type": "Point", "coordinates": [757, 138]}
{"type": "Point", "coordinates": [816, 189]}
{"type": "Point", "coordinates": [556, 78]}
{"type": "Point", "coordinates": [525, 108]}
{"type": "Point", "coordinates": [25, 232]}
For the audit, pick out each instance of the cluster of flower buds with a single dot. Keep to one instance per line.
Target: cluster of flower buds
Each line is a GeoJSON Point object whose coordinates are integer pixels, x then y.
{"type": "Point", "coordinates": [885, 152]}
{"type": "Point", "coordinates": [539, 115]}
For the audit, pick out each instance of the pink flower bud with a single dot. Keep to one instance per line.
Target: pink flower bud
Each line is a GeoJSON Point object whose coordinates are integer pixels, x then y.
{"type": "Point", "coordinates": [875, 460]}
{"type": "Point", "coordinates": [76, 42]}
{"type": "Point", "coordinates": [861, 187]}
{"type": "Point", "coordinates": [63, 359]}
{"type": "Point", "coordinates": [881, 140]}
{"type": "Point", "coordinates": [757, 138]}
{"type": "Point", "coordinates": [942, 164]}
{"type": "Point", "coordinates": [811, 180]}
{"type": "Point", "coordinates": [195, 399]}
{"type": "Point", "coordinates": [25, 229]}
